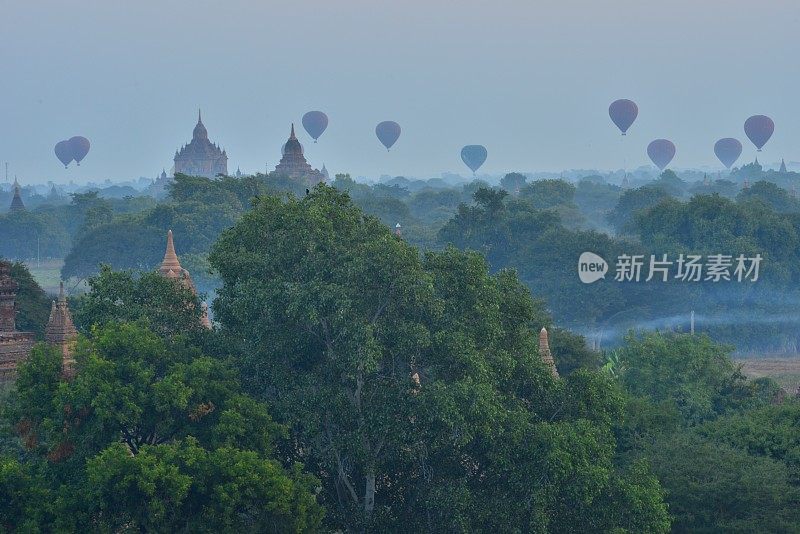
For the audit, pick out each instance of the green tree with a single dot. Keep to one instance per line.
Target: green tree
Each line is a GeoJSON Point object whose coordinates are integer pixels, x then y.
{"type": "Point", "coordinates": [513, 182]}
{"type": "Point", "coordinates": [412, 386]}
{"type": "Point", "coordinates": [165, 305]}
{"type": "Point", "coordinates": [692, 372]}
{"type": "Point", "coordinates": [152, 435]}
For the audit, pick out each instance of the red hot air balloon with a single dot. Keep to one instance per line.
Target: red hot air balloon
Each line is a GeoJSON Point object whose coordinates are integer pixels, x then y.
{"type": "Point", "coordinates": [661, 152]}
{"type": "Point", "coordinates": [728, 151]}
{"type": "Point", "coordinates": [315, 123]}
{"type": "Point", "coordinates": [759, 129]}
{"type": "Point", "coordinates": [388, 133]}
{"type": "Point", "coordinates": [63, 152]}
{"type": "Point", "coordinates": [474, 156]}
{"type": "Point", "coordinates": [79, 147]}
{"type": "Point", "coordinates": [623, 113]}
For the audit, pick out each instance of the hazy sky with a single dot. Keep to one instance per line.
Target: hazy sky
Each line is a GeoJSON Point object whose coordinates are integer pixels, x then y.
{"type": "Point", "coordinates": [531, 80]}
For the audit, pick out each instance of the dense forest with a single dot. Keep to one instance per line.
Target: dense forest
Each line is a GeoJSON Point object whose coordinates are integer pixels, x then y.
{"type": "Point", "coordinates": [537, 227]}
{"type": "Point", "coordinates": [361, 380]}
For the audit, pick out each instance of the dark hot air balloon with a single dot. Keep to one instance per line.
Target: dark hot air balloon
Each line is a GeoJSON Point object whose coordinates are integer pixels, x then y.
{"type": "Point", "coordinates": [759, 129]}
{"type": "Point", "coordinates": [728, 151]}
{"type": "Point", "coordinates": [623, 113]}
{"type": "Point", "coordinates": [79, 147]}
{"type": "Point", "coordinates": [661, 152]}
{"type": "Point", "coordinates": [474, 156]}
{"type": "Point", "coordinates": [388, 133]}
{"type": "Point", "coordinates": [63, 152]}
{"type": "Point", "coordinates": [315, 123]}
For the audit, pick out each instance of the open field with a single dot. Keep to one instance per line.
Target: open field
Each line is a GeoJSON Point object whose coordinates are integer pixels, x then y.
{"type": "Point", "coordinates": [785, 371]}
{"type": "Point", "coordinates": [47, 273]}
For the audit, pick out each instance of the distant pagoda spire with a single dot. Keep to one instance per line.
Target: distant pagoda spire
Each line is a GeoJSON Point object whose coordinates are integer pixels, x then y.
{"type": "Point", "coordinates": [171, 268]}
{"type": "Point", "coordinates": [16, 202]}
{"type": "Point", "coordinates": [544, 352]}
{"type": "Point", "coordinates": [60, 330]}
{"type": "Point", "coordinates": [291, 135]}
{"type": "Point", "coordinates": [783, 166]}
{"type": "Point", "coordinates": [171, 265]}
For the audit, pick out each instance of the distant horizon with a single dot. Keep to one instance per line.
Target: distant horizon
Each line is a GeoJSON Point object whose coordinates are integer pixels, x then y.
{"type": "Point", "coordinates": [530, 82]}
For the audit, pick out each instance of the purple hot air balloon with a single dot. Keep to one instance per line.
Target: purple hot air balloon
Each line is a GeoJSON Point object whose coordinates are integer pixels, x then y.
{"type": "Point", "coordinates": [63, 152]}
{"type": "Point", "coordinates": [388, 133]}
{"type": "Point", "coordinates": [623, 113]}
{"type": "Point", "coordinates": [661, 152]}
{"type": "Point", "coordinates": [474, 156]}
{"type": "Point", "coordinates": [315, 123]}
{"type": "Point", "coordinates": [728, 151]}
{"type": "Point", "coordinates": [759, 129]}
{"type": "Point", "coordinates": [79, 147]}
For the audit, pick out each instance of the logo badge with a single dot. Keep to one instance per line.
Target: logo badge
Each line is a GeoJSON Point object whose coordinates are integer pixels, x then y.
{"type": "Point", "coordinates": [591, 267]}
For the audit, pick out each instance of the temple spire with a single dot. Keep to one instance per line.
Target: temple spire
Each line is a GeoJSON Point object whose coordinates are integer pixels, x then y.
{"type": "Point", "coordinates": [544, 352]}
{"type": "Point", "coordinates": [292, 136]}
{"type": "Point", "coordinates": [16, 202]}
{"type": "Point", "coordinates": [60, 331]}
{"type": "Point", "coordinates": [170, 262]}
{"type": "Point", "coordinates": [199, 116]}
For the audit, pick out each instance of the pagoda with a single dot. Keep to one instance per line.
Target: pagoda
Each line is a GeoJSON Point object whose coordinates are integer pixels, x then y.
{"type": "Point", "coordinates": [15, 346]}
{"type": "Point", "coordinates": [60, 330]}
{"type": "Point", "coordinates": [293, 163]}
{"type": "Point", "coordinates": [545, 354]}
{"type": "Point", "coordinates": [171, 268]}
{"type": "Point", "coordinates": [201, 157]}
{"type": "Point", "coordinates": [783, 167]}
{"type": "Point", "coordinates": [16, 202]}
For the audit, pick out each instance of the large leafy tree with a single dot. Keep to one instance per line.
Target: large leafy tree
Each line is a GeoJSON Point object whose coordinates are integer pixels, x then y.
{"type": "Point", "coordinates": [411, 385]}
{"type": "Point", "coordinates": [165, 305]}
{"type": "Point", "coordinates": [151, 435]}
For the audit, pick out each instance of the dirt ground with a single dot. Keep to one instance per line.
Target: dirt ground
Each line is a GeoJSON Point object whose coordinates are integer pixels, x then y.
{"type": "Point", "coordinates": [785, 371]}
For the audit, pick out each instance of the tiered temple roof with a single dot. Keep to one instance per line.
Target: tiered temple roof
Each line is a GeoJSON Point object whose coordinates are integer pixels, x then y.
{"type": "Point", "coordinates": [171, 268]}
{"type": "Point", "coordinates": [14, 346]}
{"type": "Point", "coordinates": [201, 157]}
{"type": "Point", "coordinates": [294, 165]}
{"type": "Point", "coordinates": [16, 202]}
{"type": "Point", "coordinates": [60, 330]}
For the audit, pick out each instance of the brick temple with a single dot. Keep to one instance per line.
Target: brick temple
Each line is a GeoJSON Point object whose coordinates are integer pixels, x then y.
{"type": "Point", "coordinates": [201, 157]}
{"type": "Point", "coordinates": [293, 163]}
{"type": "Point", "coordinates": [171, 268]}
{"type": "Point", "coordinates": [60, 330]}
{"type": "Point", "coordinates": [14, 346]}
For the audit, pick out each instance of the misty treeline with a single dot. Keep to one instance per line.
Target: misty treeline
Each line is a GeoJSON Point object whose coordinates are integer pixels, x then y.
{"type": "Point", "coordinates": [538, 227]}
{"type": "Point", "coordinates": [353, 384]}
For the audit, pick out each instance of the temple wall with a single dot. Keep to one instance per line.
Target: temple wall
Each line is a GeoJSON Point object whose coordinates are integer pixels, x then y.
{"type": "Point", "coordinates": [14, 348]}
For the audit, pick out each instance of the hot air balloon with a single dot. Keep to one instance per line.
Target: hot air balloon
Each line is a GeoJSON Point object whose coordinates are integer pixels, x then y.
{"type": "Point", "coordinates": [623, 113]}
{"type": "Point", "coordinates": [315, 123]}
{"type": "Point", "coordinates": [63, 152]}
{"type": "Point", "coordinates": [759, 129]}
{"type": "Point", "coordinates": [79, 147]}
{"type": "Point", "coordinates": [661, 152]}
{"type": "Point", "coordinates": [474, 156]}
{"type": "Point", "coordinates": [388, 133]}
{"type": "Point", "coordinates": [728, 151]}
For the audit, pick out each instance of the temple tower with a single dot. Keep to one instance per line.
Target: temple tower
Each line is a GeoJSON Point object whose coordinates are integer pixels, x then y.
{"type": "Point", "coordinates": [201, 157]}
{"type": "Point", "coordinates": [60, 330]}
{"type": "Point", "coordinates": [16, 202]}
{"type": "Point", "coordinates": [293, 163]}
{"type": "Point", "coordinates": [544, 352]}
{"type": "Point", "coordinates": [171, 268]}
{"type": "Point", "coordinates": [14, 346]}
